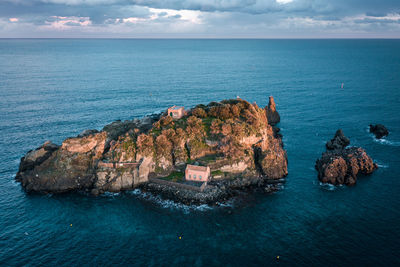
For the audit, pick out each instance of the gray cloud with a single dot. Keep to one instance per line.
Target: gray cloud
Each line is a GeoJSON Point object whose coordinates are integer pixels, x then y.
{"type": "Point", "coordinates": [218, 18]}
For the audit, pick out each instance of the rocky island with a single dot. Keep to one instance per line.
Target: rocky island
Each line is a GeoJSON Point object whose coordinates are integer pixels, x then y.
{"type": "Point", "coordinates": [341, 164]}
{"type": "Point", "coordinates": [201, 155]}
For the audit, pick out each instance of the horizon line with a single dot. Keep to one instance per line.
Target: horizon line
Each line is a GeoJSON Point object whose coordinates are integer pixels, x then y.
{"type": "Point", "coordinates": [215, 38]}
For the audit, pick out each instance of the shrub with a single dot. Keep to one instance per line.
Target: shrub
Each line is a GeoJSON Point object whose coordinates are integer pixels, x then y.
{"type": "Point", "coordinates": [163, 146]}
{"type": "Point", "coordinates": [199, 112]}
{"type": "Point", "coordinates": [220, 112]}
{"type": "Point", "coordinates": [145, 144]}
{"type": "Point", "coordinates": [166, 120]}
{"type": "Point", "coordinates": [215, 127]}
{"type": "Point", "coordinates": [195, 127]}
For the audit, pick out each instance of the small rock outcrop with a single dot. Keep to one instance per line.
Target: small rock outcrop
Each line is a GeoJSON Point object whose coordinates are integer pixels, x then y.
{"type": "Point", "coordinates": [378, 130]}
{"type": "Point", "coordinates": [339, 141]}
{"type": "Point", "coordinates": [270, 110]}
{"type": "Point", "coordinates": [341, 165]}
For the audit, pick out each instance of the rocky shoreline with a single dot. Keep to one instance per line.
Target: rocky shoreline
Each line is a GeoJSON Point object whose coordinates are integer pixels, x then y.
{"type": "Point", "coordinates": [215, 192]}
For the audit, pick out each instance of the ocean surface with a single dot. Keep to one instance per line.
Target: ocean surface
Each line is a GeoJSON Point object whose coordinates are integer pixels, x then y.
{"type": "Point", "coordinates": [51, 89]}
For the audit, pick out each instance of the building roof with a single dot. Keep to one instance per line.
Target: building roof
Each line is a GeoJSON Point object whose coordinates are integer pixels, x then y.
{"type": "Point", "coordinates": [196, 168]}
{"type": "Point", "coordinates": [175, 107]}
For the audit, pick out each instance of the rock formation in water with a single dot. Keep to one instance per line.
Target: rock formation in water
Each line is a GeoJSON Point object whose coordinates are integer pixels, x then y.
{"type": "Point", "coordinates": [341, 165]}
{"type": "Point", "coordinates": [272, 115]}
{"type": "Point", "coordinates": [378, 130]}
{"type": "Point", "coordinates": [338, 142]}
{"type": "Point", "coordinates": [233, 137]}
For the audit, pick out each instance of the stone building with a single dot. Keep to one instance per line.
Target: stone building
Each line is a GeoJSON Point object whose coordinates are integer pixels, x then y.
{"type": "Point", "coordinates": [197, 173]}
{"type": "Point", "coordinates": [176, 112]}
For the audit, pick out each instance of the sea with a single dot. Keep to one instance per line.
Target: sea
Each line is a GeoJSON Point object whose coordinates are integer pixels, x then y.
{"type": "Point", "coordinates": [51, 89]}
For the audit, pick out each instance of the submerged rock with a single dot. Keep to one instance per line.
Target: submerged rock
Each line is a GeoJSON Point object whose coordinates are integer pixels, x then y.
{"type": "Point", "coordinates": [340, 165]}
{"type": "Point", "coordinates": [378, 130]}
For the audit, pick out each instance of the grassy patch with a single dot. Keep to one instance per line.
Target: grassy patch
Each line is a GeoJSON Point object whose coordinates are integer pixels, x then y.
{"type": "Point", "coordinates": [207, 123]}
{"type": "Point", "coordinates": [190, 161]}
{"type": "Point", "coordinates": [217, 172]}
{"type": "Point", "coordinates": [175, 177]}
{"type": "Point", "coordinates": [208, 158]}
{"type": "Point", "coordinates": [155, 131]}
{"type": "Point", "coordinates": [181, 123]}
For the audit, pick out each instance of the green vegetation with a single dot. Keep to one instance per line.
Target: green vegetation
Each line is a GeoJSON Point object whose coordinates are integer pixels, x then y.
{"type": "Point", "coordinates": [207, 124]}
{"type": "Point", "coordinates": [217, 172]}
{"type": "Point", "coordinates": [175, 177]}
{"type": "Point", "coordinates": [181, 123]}
{"type": "Point", "coordinates": [208, 158]}
{"type": "Point", "coordinates": [155, 131]}
{"type": "Point", "coordinates": [190, 161]}
{"type": "Point", "coordinates": [224, 124]}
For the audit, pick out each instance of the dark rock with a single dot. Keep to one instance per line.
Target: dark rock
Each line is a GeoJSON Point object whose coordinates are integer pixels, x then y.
{"type": "Point", "coordinates": [378, 130]}
{"type": "Point", "coordinates": [118, 128]}
{"type": "Point", "coordinates": [36, 157]}
{"type": "Point", "coordinates": [340, 165]}
{"type": "Point", "coordinates": [338, 142]}
{"type": "Point", "coordinates": [88, 132]}
{"type": "Point", "coordinates": [216, 191]}
{"type": "Point", "coordinates": [272, 115]}
{"type": "Point", "coordinates": [95, 192]}
{"type": "Point", "coordinates": [49, 146]}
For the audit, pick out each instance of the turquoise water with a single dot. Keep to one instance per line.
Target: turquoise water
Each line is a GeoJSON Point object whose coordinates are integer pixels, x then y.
{"type": "Point", "coordinates": [53, 89]}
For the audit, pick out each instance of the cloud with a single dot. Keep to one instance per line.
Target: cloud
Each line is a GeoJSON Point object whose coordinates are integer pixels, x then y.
{"type": "Point", "coordinates": [58, 22]}
{"type": "Point", "coordinates": [199, 18]}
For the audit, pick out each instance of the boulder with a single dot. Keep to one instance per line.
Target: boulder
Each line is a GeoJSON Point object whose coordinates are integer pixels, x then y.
{"type": "Point", "coordinates": [378, 130]}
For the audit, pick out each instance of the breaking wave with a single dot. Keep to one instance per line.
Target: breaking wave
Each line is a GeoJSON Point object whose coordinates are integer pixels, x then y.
{"type": "Point", "coordinates": [329, 187]}
{"type": "Point", "coordinates": [384, 141]}
{"type": "Point", "coordinates": [380, 164]}
{"type": "Point", "coordinates": [169, 204]}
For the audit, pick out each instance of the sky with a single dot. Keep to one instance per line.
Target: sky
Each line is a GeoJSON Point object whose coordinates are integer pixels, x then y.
{"type": "Point", "coordinates": [199, 18]}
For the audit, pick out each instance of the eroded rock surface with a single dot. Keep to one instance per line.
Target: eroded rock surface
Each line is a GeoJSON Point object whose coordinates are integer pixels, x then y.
{"type": "Point", "coordinates": [341, 165]}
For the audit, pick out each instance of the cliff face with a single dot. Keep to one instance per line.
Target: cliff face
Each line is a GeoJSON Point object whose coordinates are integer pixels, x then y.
{"type": "Point", "coordinates": [231, 136]}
